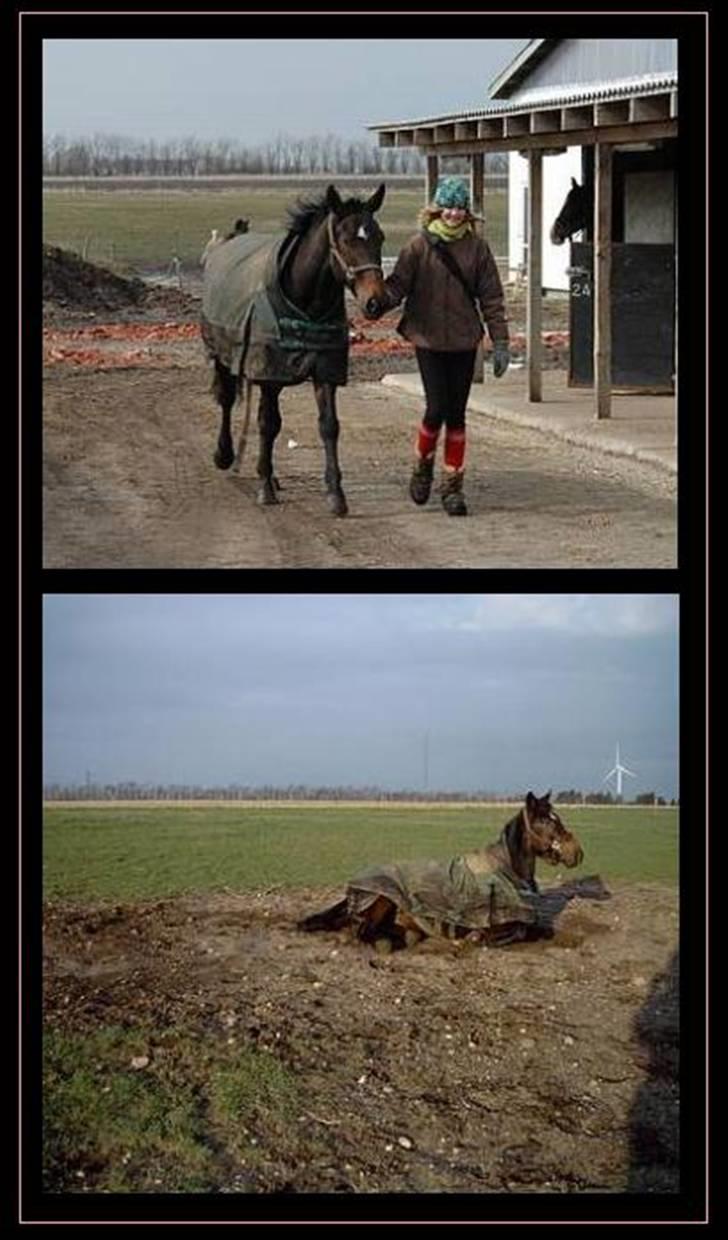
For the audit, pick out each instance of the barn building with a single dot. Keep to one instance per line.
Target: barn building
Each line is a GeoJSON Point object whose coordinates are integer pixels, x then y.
{"type": "Point", "coordinates": [610, 108]}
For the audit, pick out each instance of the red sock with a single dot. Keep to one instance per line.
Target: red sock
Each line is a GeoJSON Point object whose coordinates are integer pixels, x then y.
{"type": "Point", "coordinates": [454, 449]}
{"type": "Point", "coordinates": [426, 441]}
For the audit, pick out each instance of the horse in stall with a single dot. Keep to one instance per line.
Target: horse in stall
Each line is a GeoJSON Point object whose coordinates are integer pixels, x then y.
{"type": "Point", "coordinates": [273, 315]}
{"type": "Point", "coordinates": [575, 215]}
{"type": "Point", "coordinates": [489, 895]}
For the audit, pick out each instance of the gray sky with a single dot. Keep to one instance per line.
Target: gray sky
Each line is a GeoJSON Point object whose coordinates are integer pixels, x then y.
{"type": "Point", "coordinates": [515, 691]}
{"type": "Point", "coordinates": [250, 90]}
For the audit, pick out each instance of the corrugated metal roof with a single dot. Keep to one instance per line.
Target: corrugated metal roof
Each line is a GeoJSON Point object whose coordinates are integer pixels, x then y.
{"type": "Point", "coordinates": [546, 98]}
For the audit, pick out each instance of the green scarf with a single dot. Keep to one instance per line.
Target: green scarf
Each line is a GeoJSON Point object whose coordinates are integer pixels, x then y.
{"type": "Point", "coordinates": [440, 228]}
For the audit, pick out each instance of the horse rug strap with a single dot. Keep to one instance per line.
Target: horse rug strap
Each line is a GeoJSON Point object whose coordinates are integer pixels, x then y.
{"type": "Point", "coordinates": [449, 892]}
{"type": "Point", "coordinates": [252, 328]}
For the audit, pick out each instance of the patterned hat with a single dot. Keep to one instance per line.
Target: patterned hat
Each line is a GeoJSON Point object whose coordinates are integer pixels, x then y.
{"type": "Point", "coordinates": [452, 192]}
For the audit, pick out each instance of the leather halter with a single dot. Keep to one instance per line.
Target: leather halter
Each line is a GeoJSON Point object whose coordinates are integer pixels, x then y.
{"type": "Point", "coordinates": [554, 847]}
{"type": "Point", "coordinates": [349, 272]}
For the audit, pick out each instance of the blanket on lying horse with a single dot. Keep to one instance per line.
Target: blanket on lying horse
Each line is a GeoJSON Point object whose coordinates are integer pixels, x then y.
{"type": "Point", "coordinates": [444, 896]}
{"type": "Point", "coordinates": [250, 325]}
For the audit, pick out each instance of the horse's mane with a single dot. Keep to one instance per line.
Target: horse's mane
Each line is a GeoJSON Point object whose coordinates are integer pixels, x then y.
{"type": "Point", "coordinates": [309, 211]}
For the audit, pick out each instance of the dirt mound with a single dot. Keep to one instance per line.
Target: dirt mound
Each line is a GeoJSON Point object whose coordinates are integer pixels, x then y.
{"type": "Point", "coordinates": [70, 280]}
{"type": "Point", "coordinates": [547, 1067]}
{"type": "Point", "coordinates": [72, 287]}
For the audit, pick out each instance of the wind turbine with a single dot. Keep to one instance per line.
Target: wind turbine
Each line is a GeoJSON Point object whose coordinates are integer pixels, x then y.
{"type": "Point", "coordinates": [619, 771]}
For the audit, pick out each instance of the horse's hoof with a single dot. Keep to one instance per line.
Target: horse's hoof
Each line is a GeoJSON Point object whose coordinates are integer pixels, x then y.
{"type": "Point", "coordinates": [337, 503]}
{"type": "Point", "coordinates": [383, 947]}
{"type": "Point", "coordinates": [267, 495]}
{"type": "Point", "coordinates": [224, 459]}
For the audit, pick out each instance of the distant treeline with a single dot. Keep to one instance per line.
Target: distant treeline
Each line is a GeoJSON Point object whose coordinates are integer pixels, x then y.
{"type": "Point", "coordinates": [131, 791]}
{"type": "Point", "coordinates": [105, 155]}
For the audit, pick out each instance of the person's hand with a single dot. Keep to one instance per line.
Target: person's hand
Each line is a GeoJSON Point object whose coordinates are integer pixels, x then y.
{"type": "Point", "coordinates": [501, 359]}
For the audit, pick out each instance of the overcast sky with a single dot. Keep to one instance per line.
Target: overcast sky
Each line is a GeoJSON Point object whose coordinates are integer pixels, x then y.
{"type": "Point", "coordinates": [250, 90]}
{"type": "Point", "coordinates": [515, 691]}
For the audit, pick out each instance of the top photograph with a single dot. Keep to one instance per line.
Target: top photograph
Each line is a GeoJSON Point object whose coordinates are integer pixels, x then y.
{"type": "Point", "coordinates": [350, 303]}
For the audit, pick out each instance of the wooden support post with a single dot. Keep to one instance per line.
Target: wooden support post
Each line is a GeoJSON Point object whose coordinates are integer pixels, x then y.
{"type": "Point", "coordinates": [603, 280]}
{"type": "Point", "coordinates": [477, 181]}
{"type": "Point", "coordinates": [533, 311]}
{"type": "Point", "coordinates": [477, 199]}
{"type": "Point", "coordinates": [431, 175]}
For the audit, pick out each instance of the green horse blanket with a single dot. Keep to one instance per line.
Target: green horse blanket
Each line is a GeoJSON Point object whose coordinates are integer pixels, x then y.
{"type": "Point", "coordinates": [463, 893]}
{"type": "Point", "coordinates": [250, 325]}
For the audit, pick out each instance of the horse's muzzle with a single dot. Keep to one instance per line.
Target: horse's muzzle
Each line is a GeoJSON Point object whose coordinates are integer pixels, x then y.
{"type": "Point", "coordinates": [372, 308]}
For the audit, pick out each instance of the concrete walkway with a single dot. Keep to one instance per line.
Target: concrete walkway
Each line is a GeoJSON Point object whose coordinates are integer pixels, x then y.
{"type": "Point", "coordinates": [643, 427]}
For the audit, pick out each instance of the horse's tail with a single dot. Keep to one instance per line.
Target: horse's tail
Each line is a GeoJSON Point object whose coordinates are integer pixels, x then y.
{"type": "Point", "coordinates": [334, 918]}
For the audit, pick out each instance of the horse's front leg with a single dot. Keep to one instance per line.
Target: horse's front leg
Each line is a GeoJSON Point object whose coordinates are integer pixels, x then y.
{"type": "Point", "coordinates": [329, 432]}
{"type": "Point", "coordinates": [269, 425]}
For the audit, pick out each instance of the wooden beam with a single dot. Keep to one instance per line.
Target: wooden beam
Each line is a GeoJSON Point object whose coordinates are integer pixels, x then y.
{"type": "Point", "coordinates": [611, 113]}
{"type": "Point", "coordinates": [577, 118]}
{"type": "Point", "coordinates": [602, 305]}
{"type": "Point", "coordinates": [518, 124]}
{"type": "Point", "coordinates": [431, 175]}
{"type": "Point", "coordinates": [647, 132]}
{"type": "Point", "coordinates": [477, 181]}
{"type": "Point", "coordinates": [654, 108]}
{"type": "Point", "coordinates": [491, 129]}
{"type": "Point", "coordinates": [535, 243]}
{"type": "Point", "coordinates": [546, 122]}
{"type": "Point", "coordinates": [477, 198]}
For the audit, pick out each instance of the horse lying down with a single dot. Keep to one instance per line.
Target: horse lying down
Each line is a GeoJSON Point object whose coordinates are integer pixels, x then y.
{"type": "Point", "coordinates": [488, 896]}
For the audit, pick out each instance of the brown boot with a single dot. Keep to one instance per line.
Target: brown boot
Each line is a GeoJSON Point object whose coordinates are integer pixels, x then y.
{"type": "Point", "coordinates": [421, 480]}
{"type": "Point", "coordinates": [451, 491]}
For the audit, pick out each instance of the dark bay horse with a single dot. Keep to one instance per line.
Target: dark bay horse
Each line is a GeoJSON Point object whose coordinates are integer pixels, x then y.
{"type": "Point", "coordinates": [490, 895]}
{"type": "Point", "coordinates": [575, 215]}
{"type": "Point", "coordinates": [273, 315]}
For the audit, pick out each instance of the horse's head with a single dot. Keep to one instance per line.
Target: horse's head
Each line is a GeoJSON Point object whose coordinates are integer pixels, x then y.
{"type": "Point", "coordinates": [355, 240]}
{"type": "Point", "coordinates": [546, 834]}
{"type": "Point", "coordinates": [573, 216]}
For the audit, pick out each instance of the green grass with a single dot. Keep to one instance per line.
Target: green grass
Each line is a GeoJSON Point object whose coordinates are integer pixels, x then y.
{"type": "Point", "coordinates": [115, 853]}
{"type": "Point", "coordinates": [177, 1125]}
{"type": "Point", "coordinates": [145, 228]}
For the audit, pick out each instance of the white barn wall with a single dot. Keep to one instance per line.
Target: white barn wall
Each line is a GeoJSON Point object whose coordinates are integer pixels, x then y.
{"type": "Point", "coordinates": [557, 173]}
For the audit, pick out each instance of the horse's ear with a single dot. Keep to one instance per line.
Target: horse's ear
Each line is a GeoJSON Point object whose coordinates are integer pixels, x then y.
{"type": "Point", "coordinates": [332, 199]}
{"type": "Point", "coordinates": [376, 199]}
{"type": "Point", "coordinates": [530, 799]}
{"type": "Point", "coordinates": [574, 183]}
{"type": "Point", "coordinates": [547, 795]}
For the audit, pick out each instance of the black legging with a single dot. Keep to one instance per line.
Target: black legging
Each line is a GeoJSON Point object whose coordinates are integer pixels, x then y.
{"type": "Point", "coordinates": [447, 379]}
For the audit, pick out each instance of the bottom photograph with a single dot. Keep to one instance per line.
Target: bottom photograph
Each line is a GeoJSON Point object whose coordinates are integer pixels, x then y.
{"type": "Point", "coordinates": [361, 893]}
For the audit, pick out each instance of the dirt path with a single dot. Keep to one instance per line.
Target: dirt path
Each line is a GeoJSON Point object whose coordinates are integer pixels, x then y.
{"type": "Point", "coordinates": [129, 482]}
{"type": "Point", "coordinates": [548, 1066]}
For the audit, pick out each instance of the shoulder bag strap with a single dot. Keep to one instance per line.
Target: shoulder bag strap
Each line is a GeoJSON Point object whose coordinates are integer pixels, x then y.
{"type": "Point", "coordinates": [440, 248]}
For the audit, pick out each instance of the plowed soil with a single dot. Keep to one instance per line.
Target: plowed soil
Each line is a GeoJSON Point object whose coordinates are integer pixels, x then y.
{"type": "Point", "coordinates": [540, 1067]}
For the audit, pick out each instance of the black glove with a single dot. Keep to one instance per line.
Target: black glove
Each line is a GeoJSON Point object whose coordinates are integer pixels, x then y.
{"type": "Point", "coordinates": [501, 359]}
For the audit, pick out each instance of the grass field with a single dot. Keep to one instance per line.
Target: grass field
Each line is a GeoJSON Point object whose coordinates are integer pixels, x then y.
{"type": "Point", "coordinates": [139, 853]}
{"type": "Point", "coordinates": [146, 228]}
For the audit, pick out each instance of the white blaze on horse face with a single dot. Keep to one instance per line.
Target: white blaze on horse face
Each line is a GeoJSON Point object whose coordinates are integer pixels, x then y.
{"type": "Point", "coordinates": [362, 233]}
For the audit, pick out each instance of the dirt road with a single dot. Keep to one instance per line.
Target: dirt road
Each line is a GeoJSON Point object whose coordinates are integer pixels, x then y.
{"type": "Point", "coordinates": [548, 1066]}
{"type": "Point", "coordinates": [129, 482]}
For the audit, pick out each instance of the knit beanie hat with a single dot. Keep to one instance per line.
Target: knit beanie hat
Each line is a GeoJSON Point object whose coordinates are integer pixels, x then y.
{"type": "Point", "coordinates": [452, 192]}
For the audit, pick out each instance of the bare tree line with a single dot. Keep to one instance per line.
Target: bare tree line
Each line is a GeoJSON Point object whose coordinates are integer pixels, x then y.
{"type": "Point", "coordinates": [131, 791]}
{"type": "Point", "coordinates": [104, 155]}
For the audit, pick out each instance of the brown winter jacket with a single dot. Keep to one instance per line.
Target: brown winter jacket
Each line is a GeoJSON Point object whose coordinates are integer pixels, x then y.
{"type": "Point", "coordinates": [438, 313]}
